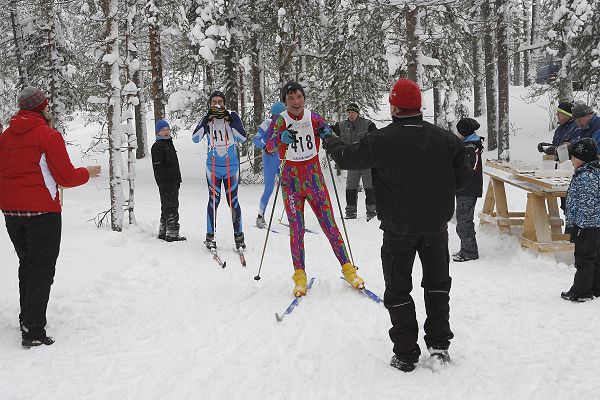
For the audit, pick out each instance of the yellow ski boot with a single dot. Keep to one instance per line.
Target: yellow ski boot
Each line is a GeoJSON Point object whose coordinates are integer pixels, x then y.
{"type": "Point", "coordinates": [349, 272]}
{"type": "Point", "coordinates": [299, 278]}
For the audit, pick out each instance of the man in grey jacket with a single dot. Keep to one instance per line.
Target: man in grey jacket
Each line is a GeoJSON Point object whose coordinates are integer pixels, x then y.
{"type": "Point", "coordinates": [350, 131]}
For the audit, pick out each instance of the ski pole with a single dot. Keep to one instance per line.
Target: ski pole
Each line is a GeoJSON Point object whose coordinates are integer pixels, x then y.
{"type": "Point", "coordinates": [262, 257]}
{"type": "Point", "coordinates": [337, 197]}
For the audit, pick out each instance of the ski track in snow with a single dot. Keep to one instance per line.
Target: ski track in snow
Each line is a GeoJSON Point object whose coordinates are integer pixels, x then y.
{"type": "Point", "coordinates": [138, 318]}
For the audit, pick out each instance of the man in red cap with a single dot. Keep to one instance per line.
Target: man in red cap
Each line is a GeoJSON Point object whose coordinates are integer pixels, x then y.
{"type": "Point", "coordinates": [33, 162]}
{"type": "Point", "coordinates": [417, 168]}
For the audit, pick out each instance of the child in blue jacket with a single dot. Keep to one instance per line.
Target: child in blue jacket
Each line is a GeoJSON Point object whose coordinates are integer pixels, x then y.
{"type": "Point", "coordinates": [583, 220]}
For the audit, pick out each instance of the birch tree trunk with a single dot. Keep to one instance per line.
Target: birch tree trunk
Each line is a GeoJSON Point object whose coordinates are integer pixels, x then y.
{"type": "Point", "coordinates": [478, 77]}
{"type": "Point", "coordinates": [131, 91]}
{"type": "Point", "coordinates": [503, 80]}
{"type": "Point", "coordinates": [535, 36]}
{"type": "Point", "coordinates": [111, 58]}
{"type": "Point", "coordinates": [527, 41]}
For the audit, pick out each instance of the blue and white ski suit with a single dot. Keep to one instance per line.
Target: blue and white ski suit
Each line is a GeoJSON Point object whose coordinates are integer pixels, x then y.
{"type": "Point", "coordinates": [222, 165]}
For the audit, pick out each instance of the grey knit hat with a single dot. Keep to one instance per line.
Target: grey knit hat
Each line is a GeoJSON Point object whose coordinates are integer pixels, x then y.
{"type": "Point", "coordinates": [33, 99]}
{"type": "Point", "coordinates": [580, 109]}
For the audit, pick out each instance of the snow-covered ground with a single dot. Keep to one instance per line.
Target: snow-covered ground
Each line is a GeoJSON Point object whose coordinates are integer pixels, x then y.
{"type": "Point", "coordinates": [138, 318]}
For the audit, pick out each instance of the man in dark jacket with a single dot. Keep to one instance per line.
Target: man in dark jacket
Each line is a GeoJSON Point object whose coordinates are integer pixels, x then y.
{"type": "Point", "coordinates": [168, 179]}
{"type": "Point", "coordinates": [416, 168]}
{"type": "Point", "coordinates": [566, 132]}
{"type": "Point", "coordinates": [466, 198]}
{"type": "Point", "coordinates": [352, 130]}
{"type": "Point", "coordinates": [587, 120]}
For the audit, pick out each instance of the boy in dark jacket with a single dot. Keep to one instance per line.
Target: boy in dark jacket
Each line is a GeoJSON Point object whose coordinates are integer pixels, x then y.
{"type": "Point", "coordinates": [168, 178]}
{"type": "Point", "coordinates": [467, 197]}
{"type": "Point", "coordinates": [583, 220]}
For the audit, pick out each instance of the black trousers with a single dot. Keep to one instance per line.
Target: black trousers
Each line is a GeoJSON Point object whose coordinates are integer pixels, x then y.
{"type": "Point", "coordinates": [37, 243]}
{"type": "Point", "coordinates": [169, 210]}
{"type": "Point", "coordinates": [587, 261]}
{"type": "Point", "coordinates": [397, 256]}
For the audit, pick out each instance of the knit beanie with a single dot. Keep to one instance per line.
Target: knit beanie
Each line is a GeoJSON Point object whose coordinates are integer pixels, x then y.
{"type": "Point", "coordinates": [565, 107]}
{"type": "Point", "coordinates": [291, 87]}
{"type": "Point", "coordinates": [467, 126]}
{"type": "Point", "coordinates": [406, 95]}
{"type": "Point", "coordinates": [160, 124]}
{"type": "Point", "coordinates": [32, 99]}
{"type": "Point", "coordinates": [585, 149]}
{"type": "Point", "coordinates": [277, 108]}
{"type": "Point", "coordinates": [580, 109]}
{"type": "Point", "coordinates": [353, 107]}
{"type": "Point", "coordinates": [217, 93]}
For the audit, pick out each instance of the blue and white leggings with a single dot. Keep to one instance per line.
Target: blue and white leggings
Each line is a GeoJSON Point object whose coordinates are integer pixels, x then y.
{"type": "Point", "coordinates": [221, 178]}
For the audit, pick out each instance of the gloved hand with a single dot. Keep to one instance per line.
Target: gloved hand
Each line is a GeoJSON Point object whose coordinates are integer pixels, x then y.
{"type": "Point", "coordinates": [574, 232]}
{"type": "Point", "coordinates": [218, 113]}
{"type": "Point", "coordinates": [324, 132]}
{"type": "Point", "coordinates": [550, 150]}
{"type": "Point", "coordinates": [541, 146]}
{"type": "Point", "coordinates": [289, 136]}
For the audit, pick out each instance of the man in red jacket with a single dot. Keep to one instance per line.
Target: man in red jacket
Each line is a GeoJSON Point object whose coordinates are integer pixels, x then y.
{"type": "Point", "coordinates": [33, 162]}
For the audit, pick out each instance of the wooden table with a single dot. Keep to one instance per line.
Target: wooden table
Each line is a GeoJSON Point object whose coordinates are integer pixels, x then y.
{"type": "Point", "coordinates": [541, 221]}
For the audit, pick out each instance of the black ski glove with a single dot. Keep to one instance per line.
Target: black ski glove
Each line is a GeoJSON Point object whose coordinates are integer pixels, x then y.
{"type": "Point", "coordinates": [541, 146]}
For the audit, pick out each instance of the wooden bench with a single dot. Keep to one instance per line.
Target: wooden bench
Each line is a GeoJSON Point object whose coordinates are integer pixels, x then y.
{"type": "Point", "coordinates": [541, 221]}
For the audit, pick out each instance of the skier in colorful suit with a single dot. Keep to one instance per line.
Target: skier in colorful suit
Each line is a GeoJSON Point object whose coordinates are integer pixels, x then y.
{"type": "Point", "coordinates": [271, 162]}
{"type": "Point", "coordinates": [295, 134]}
{"type": "Point", "coordinates": [223, 129]}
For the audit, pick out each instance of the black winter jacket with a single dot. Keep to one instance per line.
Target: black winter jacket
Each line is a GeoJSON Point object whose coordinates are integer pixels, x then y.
{"type": "Point", "coordinates": [416, 167]}
{"type": "Point", "coordinates": [165, 164]}
{"type": "Point", "coordinates": [474, 186]}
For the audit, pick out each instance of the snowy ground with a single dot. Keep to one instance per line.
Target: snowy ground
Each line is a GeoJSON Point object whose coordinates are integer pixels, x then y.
{"type": "Point", "coordinates": [138, 318]}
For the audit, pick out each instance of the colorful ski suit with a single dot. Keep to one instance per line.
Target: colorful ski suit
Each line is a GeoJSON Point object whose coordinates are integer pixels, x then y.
{"type": "Point", "coordinates": [302, 180]}
{"type": "Point", "coordinates": [271, 164]}
{"type": "Point", "coordinates": [222, 165]}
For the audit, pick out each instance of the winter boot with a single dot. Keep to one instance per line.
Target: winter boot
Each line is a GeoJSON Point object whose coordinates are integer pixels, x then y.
{"type": "Point", "coordinates": [29, 339]}
{"type": "Point", "coordinates": [439, 356]}
{"type": "Point", "coordinates": [401, 365]}
{"type": "Point", "coordinates": [352, 278]}
{"type": "Point", "coordinates": [175, 237]}
{"type": "Point", "coordinates": [461, 257]}
{"type": "Point", "coordinates": [210, 242]}
{"type": "Point", "coordinates": [299, 278]}
{"type": "Point", "coordinates": [572, 296]}
{"type": "Point", "coordinates": [162, 230]}
{"type": "Point", "coordinates": [351, 199]}
{"type": "Point", "coordinates": [371, 215]}
{"type": "Point", "coordinates": [239, 241]}
{"type": "Point", "coordinates": [260, 221]}
{"type": "Point", "coordinates": [370, 204]}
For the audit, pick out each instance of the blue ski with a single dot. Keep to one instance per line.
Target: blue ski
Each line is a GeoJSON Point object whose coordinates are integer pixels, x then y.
{"type": "Point", "coordinates": [305, 228]}
{"type": "Point", "coordinates": [366, 292]}
{"type": "Point", "coordinates": [293, 304]}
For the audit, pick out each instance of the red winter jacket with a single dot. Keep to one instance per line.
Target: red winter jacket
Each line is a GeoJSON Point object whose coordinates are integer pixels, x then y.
{"type": "Point", "coordinates": [33, 161]}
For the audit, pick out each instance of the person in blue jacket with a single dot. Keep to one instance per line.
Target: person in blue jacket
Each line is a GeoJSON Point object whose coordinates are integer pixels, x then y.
{"type": "Point", "coordinates": [587, 120]}
{"type": "Point", "coordinates": [271, 162]}
{"type": "Point", "coordinates": [582, 217]}
{"type": "Point", "coordinates": [223, 129]}
{"type": "Point", "coordinates": [567, 130]}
